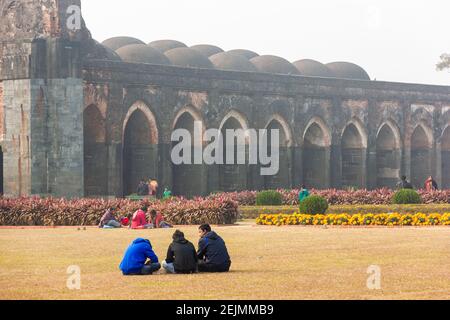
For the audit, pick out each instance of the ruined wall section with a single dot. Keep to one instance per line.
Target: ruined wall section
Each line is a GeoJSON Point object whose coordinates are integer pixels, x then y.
{"type": "Point", "coordinates": [40, 71]}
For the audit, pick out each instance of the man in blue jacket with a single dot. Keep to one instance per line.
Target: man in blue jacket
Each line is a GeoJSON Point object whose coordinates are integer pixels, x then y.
{"type": "Point", "coordinates": [135, 260]}
{"type": "Point", "coordinates": [212, 252]}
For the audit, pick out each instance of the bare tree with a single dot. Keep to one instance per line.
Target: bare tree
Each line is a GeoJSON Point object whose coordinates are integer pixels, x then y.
{"type": "Point", "coordinates": [444, 63]}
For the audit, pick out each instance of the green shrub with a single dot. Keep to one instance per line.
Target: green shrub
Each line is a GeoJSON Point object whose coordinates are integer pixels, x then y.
{"type": "Point", "coordinates": [269, 198]}
{"type": "Point", "coordinates": [406, 196]}
{"type": "Point", "coordinates": [314, 205]}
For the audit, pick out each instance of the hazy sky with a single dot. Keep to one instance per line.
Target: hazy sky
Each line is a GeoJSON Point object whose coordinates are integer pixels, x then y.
{"type": "Point", "coordinates": [392, 40]}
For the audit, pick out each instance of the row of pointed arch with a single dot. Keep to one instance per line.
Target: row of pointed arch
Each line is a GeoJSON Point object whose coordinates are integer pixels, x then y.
{"type": "Point", "coordinates": [141, 137]}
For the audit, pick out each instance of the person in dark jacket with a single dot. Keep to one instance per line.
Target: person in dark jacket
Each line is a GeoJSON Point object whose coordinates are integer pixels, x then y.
{"type": "Point", "coordinates": [142, 189]}
{"type": "Point", "coordinates": [139, 259]}
{"type": "Point", "coordinates": [404, 183]}
{"type": "Point", "coordinates": [181, 255]}
{"type": "Point", "coordinates": [212, 252]}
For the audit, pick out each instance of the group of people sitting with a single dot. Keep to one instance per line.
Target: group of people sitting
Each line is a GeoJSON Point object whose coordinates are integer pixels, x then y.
{"type": "Point", "coordinates": [182, 258]}
{"type": "Point", "coordinates": [137, 221]}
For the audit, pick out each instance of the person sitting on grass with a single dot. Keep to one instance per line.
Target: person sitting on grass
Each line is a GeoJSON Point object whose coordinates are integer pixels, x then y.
{"type": "Point", "coordinates": [125, 221]}
{"type": "Point", "coordinates": [139, 259]}
{"type": "Point", "coordinates": [157, 220]}
{"type": "Point", "coordinates": [181, 255]}
{"type": "Point", "coordinates": [139, 220]}
{"type": "Point", "coordinates": [212, 252]}
{"type": "Point", "coordinates": [109, 221]}
{"type": "Point", "coordinates": [304, 193]}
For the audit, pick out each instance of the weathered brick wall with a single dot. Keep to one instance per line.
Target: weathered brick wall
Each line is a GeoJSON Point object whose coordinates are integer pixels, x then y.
{"type": "Point", "coordinates": [255, 99]}
{"type": "Point", "coordinates": [2, 113]}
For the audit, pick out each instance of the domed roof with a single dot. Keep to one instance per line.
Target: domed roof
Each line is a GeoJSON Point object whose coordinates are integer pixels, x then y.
{"type": "Point", "coordinates": [245, 53]}
{"type": "Point", "coordinates": [207, 50]}
{"type": "Point", "coordinates": [119, 42]}
{"type": "Point", "coordinates": [187, 57]}
{"type": "Point", "coordinates": [347, 70]}
{"type": "Point", "coordinates": [274, 64]}
{"type": "Point", "coordinates": [141, 53]}
{"type": "Point", "coordinates": [230, 61]}
{"type": "Point", "coordinates": [110, 54]}
{"type": "Point", "coordinates": [98, 51]}
{"type": "Point", "coordinates": [313, 68]}
{"type": "Point", "coordinates": [165, 45]}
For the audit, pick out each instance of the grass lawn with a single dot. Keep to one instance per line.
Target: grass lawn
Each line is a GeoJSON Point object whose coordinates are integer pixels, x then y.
{"type": "Point", "coordinates": [268, 263]}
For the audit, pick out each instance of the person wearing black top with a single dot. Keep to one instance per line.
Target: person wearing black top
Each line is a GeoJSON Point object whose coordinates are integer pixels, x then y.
{"type": "Point", "coordinates": [181, 255]}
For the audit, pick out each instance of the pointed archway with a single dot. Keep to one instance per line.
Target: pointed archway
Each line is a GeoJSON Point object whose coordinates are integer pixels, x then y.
{"type": "Point", "coordinates": [353, 151]}
{"type": "Point", "coordinates": [420, 156]}
{"type": "Point", "coordinates": [445, 149]}
{"type": "Point", "coordinates": [316, 155]}
{"type": "Point", "coordinates": [95, 153]}
{"type": "Point", "coordinates": [187, 178]}
{"type": "Point", "coordinates": [388, 156]}
{"type": "Point", "coordinates": [233, 176]}
{"type": "Point", "coordinates": [283, 178]}
{"type": "Point", "coordinates": [140, 147]}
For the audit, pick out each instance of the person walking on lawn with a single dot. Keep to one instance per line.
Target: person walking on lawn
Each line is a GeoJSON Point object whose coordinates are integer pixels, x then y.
{"type": "Point", "coordinates": [212, 252]}
{"type": "Point", "coordinates": [109, 220]}
{"type": "Point", "coordinates": [139, 259]}
{"type": "Point", "coordinates": [181, 255]}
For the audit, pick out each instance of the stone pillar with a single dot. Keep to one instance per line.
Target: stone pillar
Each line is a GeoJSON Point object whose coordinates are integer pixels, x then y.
{"type": "Point", "coordinates": [336, 166]}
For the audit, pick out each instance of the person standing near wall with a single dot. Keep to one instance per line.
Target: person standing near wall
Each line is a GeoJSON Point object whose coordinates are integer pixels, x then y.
{"type": "Point", "coordinates": [304, 193]}
{"type": "Point", "coordinates": [430, 185]}
{"type": "Point", "coordinates": [153, 188]}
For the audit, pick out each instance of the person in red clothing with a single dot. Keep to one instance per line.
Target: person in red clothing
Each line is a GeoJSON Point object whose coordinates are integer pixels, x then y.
{"type": "Point", "coordinates": [139, 220]}
{"type": "Point", "coordinates": [158, 220]}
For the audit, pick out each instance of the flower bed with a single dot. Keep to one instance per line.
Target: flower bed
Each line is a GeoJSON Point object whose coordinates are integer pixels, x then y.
{"type": "Point", "coordinates": [253, 212]}
{"type": "Point", "coordinates": [85, 212]}
{"type": "Point", "coordinates": [384, 219]}
{"type": "Point", "coordinates": [340, 197]}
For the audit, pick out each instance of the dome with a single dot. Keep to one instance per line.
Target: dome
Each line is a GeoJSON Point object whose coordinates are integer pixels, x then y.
{"type": "Point", "coordinates": [207, 50]}
{"type": "Point", "coordinates": [313, 68]}
{"type": "Point", "coordinates": [165, 45]}
{"type": "Point", "coordinates": [141, 53]}
{"type": "Point", "coordinates": [274, 64]}
{"type": "Point", "coordinates": [119, 42]}
{"type": "Point", "coordinates": [230, 61]}
{"type": "Point", "coordinates": [98, 51]}
{"type": "Point", "coordinates": [190, 58]}
{"type": "Point", "coordinates": [245, 53]}
{"type": "Point", "coordinates": [111, 55]}
{"type": "Point", "coordinates": [347, 70]}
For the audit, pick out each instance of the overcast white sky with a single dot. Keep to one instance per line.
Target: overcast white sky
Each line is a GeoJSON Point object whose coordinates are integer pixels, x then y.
{"type": "Point", "coordinates": [394, 40]}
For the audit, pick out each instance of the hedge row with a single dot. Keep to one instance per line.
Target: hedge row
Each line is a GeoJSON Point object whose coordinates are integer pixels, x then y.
{"type": "Point", "coordinates": [87, 212]}
{"type": "Point", "coordinates": [340, 197]}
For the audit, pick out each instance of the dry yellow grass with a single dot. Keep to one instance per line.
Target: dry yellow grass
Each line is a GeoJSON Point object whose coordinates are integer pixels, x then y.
{"type": "Point", "coordinates": [268, 263]}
